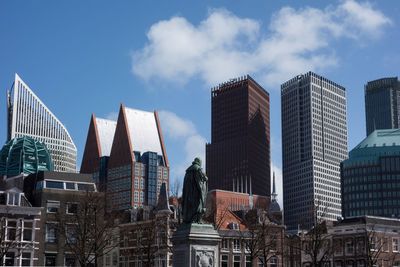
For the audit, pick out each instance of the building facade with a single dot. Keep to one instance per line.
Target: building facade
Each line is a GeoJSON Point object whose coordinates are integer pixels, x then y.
{"type": "Point", "coordinates": [20, 229]}
{"type": "Point", "coordinates": [238, 157]}
{"type": "Point", "coordinates": [314, 142]}
{"type": "Point", "coordinates": [382, 104]}
{"type": "Point", "coordinates": [61, 195]}
{"type": "Point", "coordinates": [28, 116]}
{"type": "Point", "coordinates": [128, 158]}
{"type": "Point", "coordinates": [370, 177]}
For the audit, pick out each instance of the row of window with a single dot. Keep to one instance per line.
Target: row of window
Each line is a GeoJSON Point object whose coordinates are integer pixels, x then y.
{"type": "Point", "coordinates": [65, 185]}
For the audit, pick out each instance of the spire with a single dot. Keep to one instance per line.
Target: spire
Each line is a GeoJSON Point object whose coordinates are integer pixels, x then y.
{"type": "Point", "coordinates": [162, 204]}
{"type": "Point", "coordinates": [274, 194]}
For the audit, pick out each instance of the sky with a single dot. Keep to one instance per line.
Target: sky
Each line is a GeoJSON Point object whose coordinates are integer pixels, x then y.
{"type": "Point", "coordinates": [84, 57]}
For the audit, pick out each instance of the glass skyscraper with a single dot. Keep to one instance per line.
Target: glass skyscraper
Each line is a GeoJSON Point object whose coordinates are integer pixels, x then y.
{"type": "Point", "coordinates": [382, 104]}
{"type": "Point", "coordinates": [370, 177]}
{"type": "Point", "coordinates": [29, 116]}
{"type": "Point", "coordinates": [314, 142]}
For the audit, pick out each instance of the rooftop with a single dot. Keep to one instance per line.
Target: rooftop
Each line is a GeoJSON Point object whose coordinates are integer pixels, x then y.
{"type": "Point", "coordinates": [381, 138]}
{"type": "Point", "coordinates": [106, 131]}
{"type": "Point", "coordinates": [143, 131]}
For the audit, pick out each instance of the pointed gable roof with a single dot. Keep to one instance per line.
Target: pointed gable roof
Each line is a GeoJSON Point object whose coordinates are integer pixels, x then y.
{"type": "Point", "coordinates": [105, 132]}
{"type": "Point", "coordinates": [143, 131]}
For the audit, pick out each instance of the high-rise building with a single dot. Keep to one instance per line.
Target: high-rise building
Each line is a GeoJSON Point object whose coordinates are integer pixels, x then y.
{"type": "Point", "coordinates": [28, 116]}
{"type": "Point", "coordinates": [370, 176]}
{"type": "Point", "coordinates": [382, 104]}
{"type": "Point", "coordinates": [238, 157]}
{"type": "Point", "coordinates": [127, 158]}
{"type": "Point", "coordinates": [97, 149]}
{"type": "Point", "coordinates": [314, 142]}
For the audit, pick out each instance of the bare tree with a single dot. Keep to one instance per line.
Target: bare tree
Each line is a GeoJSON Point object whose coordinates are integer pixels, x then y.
{"type": "Point", "coordinates": [316, 244]}
{"type": "Point", "coordinates": [260, 236]}
{"type": "Point", "coordinates": [216, 213]}
{"type": "Point", "coordinates": [146, 240]}
{"type": "Point", "coordinates": [87, 230]}
{"type": "Point", "coordinates": [175, 188]}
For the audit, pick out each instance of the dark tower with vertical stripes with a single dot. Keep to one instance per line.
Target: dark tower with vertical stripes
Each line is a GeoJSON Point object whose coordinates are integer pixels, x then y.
{"type": "Point", "coordinates": [238, 157]}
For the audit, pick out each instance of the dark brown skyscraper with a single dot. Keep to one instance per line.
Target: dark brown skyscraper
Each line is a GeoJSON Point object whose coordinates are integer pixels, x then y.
{"type": "Point", "coordinates": [238, 157]}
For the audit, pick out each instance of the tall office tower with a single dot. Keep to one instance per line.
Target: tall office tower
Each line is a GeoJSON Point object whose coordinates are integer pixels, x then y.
{"type": "Point", "coordinates": [28, 116]}
{"type": "Point", "coordinates": [132, 155]}
{"type": "Point", "coordinates": [314, 142]}
{"type": "Point", "coordinates": [382, 104]}
{"type": "Point", "coordinates": [370, 176]}
{"type": "Point", "coordinates": [238, 157]}
{"type": "Point", "coordinates": [97, 149]}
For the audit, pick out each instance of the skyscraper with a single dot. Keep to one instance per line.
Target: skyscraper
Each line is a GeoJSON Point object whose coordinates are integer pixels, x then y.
{"type": "Point", "coordinates": [382, 104]}
{"type": "Point", "coordinates": [238, 157]}
{"type": "Point", "coordinates": [127, 158]}
{"type": "Point", "coordinates": [28, 116]}
{"type": "Point", "coordinates": [314, 142]}
{"type": "Point", "coordinates": [370, 176]}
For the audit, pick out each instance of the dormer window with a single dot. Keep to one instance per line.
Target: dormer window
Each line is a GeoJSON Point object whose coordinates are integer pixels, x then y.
{"type": "Point", "coordinates": [13, 198]}
{"type": "Point", "coordinates": [233, 226]}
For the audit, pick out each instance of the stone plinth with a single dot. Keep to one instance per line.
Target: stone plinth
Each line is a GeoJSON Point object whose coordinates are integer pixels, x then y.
{"type": "Point", "coordinates": [195, 245]}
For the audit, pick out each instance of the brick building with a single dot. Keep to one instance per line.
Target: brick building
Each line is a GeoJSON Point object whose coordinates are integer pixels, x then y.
{"type": "Point", "coordinates": [246, 229]}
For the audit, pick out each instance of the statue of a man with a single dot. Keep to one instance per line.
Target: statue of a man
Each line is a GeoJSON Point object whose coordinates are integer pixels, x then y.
{"type": "Point", "coordinates": [194, 193]}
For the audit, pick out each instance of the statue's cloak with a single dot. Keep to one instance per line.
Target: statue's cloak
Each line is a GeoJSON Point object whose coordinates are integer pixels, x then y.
{"type": "Point", "coordinates": [193, 195]}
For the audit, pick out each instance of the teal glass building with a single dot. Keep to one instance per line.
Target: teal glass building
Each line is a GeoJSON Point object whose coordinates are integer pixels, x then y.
{"type": "Point", "coordinates": [382, 104]}
{"type": "Point", "coordinates": [370, 177]}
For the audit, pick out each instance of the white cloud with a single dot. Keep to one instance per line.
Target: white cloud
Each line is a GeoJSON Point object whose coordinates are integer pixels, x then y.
{"type": "Point", "coordinates": [192, 144]}
{"type": "Point", "coordinates": [224, 45]}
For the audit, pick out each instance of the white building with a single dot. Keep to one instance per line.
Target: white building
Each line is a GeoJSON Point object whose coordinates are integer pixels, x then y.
{"type": "Point", "coordinates": [29, 116]}
{"type": "Point", "coordinates": [314, 142]}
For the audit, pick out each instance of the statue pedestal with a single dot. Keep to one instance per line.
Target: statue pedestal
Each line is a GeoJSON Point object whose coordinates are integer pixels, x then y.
{"type": "Point", "coordinates": [195, 245]}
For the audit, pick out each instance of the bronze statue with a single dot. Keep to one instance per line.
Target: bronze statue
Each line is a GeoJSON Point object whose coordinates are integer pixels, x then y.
{"type": "Point", "coordinates": [194, 193]}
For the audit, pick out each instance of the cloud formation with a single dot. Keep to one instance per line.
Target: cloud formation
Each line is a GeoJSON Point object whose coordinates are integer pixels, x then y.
{"type": "Point", "coordinates": [184, 131]}
{"type": "Point", "coordinates": [224, 45]}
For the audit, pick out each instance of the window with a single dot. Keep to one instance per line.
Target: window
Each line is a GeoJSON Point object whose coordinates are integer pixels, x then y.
{"type": "Point", "coordinates": [70, 234]}
{"type": "Point", "coordinates": [72, 208]}
{"type": "Point", "coordinates": [261, 262]}
{"type": "Point", "coordinates": [9, 259]}
{"type": "Point", "coordinates": [54, 185]}
{"type": "Point", "coordinates": [224, 260]}
{"type": "Point", "coordinates": [85, 187]}
{"type": "Point", "coordinates": [273, 261]}
{"type": "Point", "coordinates": [27, 232]}
{"type": "Point", "coordinates": [13, 198]}
{"type": "Point", "coordinates": [70, 186]}
{"type": "Point", "coordinates": [349, 247]}
{"type": "Point", "coordinates": [236, 245]}
{"type": "Point", "coordinates": [11, 229]}
{"type": "Point", "coordinates": [136, 196]}
{"type": "Point", "coordinates": [50, 260]}
{"type": "Point", "coordinates": [69, 260]}
{"type": "Point", "coordinates": [395, 244]}
{"type": "Point", "coordinates": [51, 233]}
{"type": "Point", "coordinates": [142, 196]}
{"type": "Point", "coordinates": [248, 261]}
{"type": "Point", "coordinates": [236, 261]}
{"type": "Point", "coordinates": [26, 259]}
{"type": "Point", "coordinates": [52, 206]}
{"type": "Point", "coordinates": [225, 244]}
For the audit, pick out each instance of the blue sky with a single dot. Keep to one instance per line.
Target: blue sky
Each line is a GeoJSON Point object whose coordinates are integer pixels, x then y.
{"type": "Point", "coordinates": [83, 57]}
